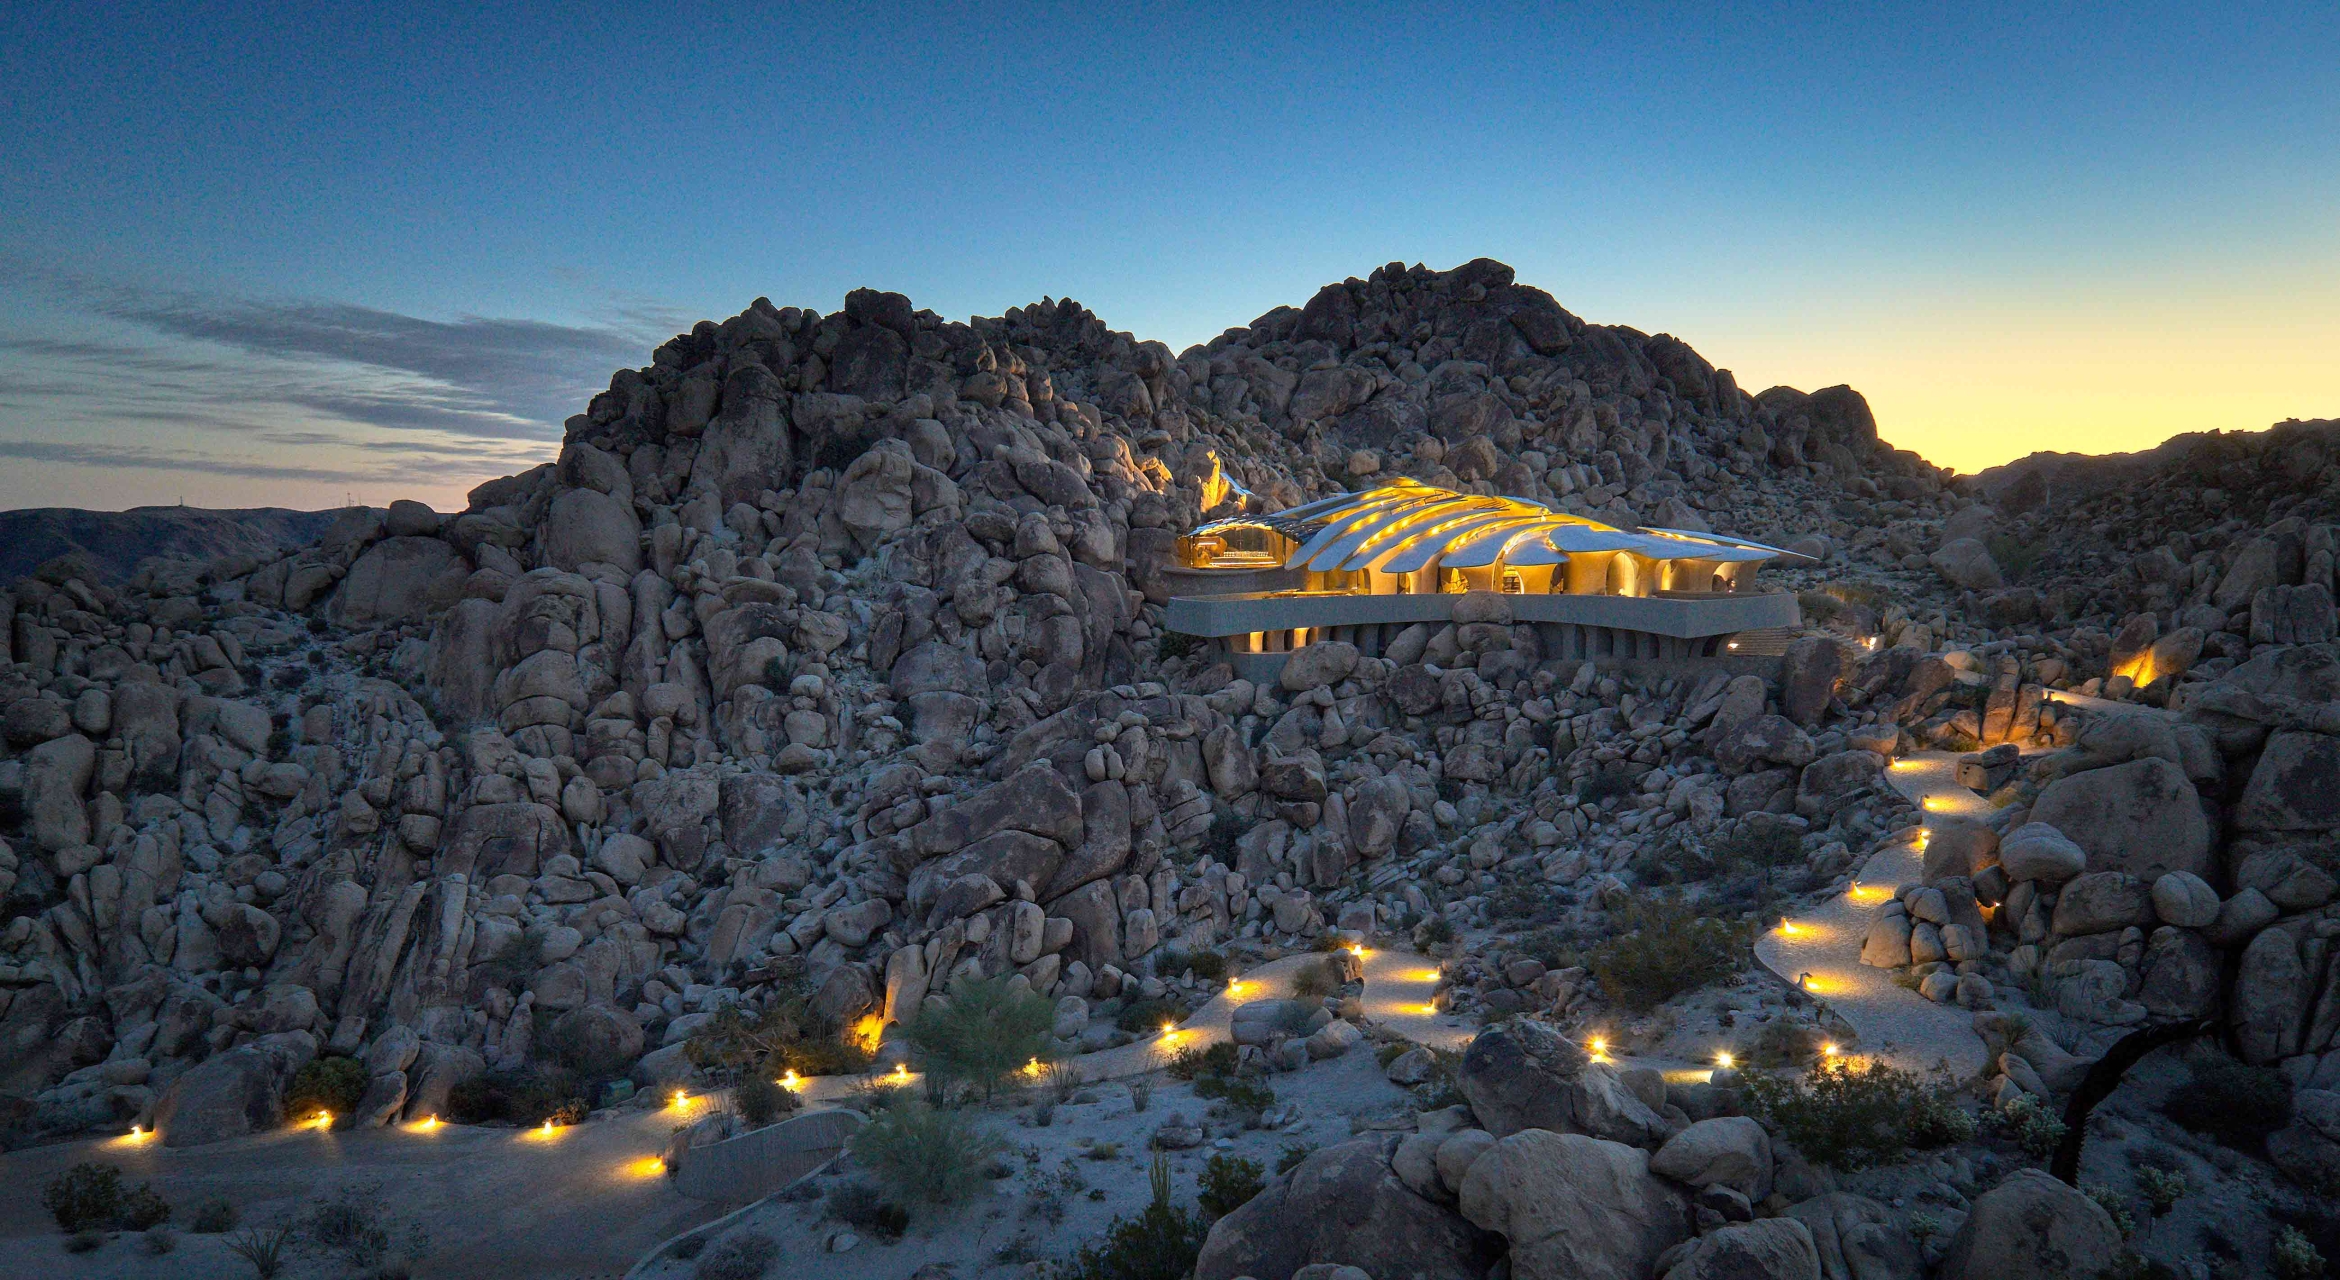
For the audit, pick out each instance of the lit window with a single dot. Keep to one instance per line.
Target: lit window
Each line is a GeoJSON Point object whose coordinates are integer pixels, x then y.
{"type": "Point", "coordinates": [1512, 585]}
{"type": "Point", "coordinates": [1450, 581]}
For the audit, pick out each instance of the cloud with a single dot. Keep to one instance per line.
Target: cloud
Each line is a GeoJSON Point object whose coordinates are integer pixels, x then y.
{"type": "Point", "coordinates": [138, 458]}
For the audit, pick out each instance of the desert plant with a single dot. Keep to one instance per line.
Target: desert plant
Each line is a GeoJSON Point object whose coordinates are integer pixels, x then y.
{"type": "Point", "coordinates": [858, 1204]}
{"type": "Point", "coordinates": [1161, 1243]}
{"type": "Point", "coordinates": [1665, 949]}
{"type": "Point", "coordinates": [85, 1241]}
{"type": "Point", "coordinates": [1290, 1157]}
{"type": "Point", "coordinates": [785, 1034]}
{"type": "Point", "coordinates": [1178, 644]}
{"type": "Point", "coordinates": [158, 1241]}
{"type": "Point", "coordinates": [925, 1154]}
{"type": "Point", "coordinates": [2294, 1256]}
{"type": "Point", "coordinates": [86, 1196]}
{"type": "Point", "coordinates": [983, 1033]}
{"type": "Point", "coordinates": [1141, 1093]}
{"type": "Point", "coordinates": [761, 1100]}
{"type": "Point", "coordinates": [1062, 1080]}
{"type": "Point", "coordinates": [2029, 1124]}
{"type": "Point", "coordinates": [265, 1251]}
{"type": "Point", "coordinates": [1240, 1093]}
{"type": "Point", "coordinates": [742, 1255]}
{"type": "Point", "coordinates": [2116, 1207]}
{"type": "Point", "coordinates": [1226, 1184]}
{"type": "Point", "coordinates": [2235, 1104]}
{"type": "Point", "coordinates": [1140, 1017]}
{"type": "Point", "coordinates": [142, 1207]}
{"type": "Point", "coordinates": [1784, 1042]}
{"type": "Point", "coordinates": [1844, 1116]}
{"type": "Point", "coordinates": [2162, 1189]}
{"type": "Point", "coordinates": [1190, 1062]}
{"type": "Point", "coordinates": [1316, 980]}
{"type": "Point", "coordinates": [332, 1085]}
{"type": "Point", "coordinates": [213, 1217]}
{"type": "Point", "coordinates": [527, 1097]}
{"type": "Point", "coordinates": [1437, 931]}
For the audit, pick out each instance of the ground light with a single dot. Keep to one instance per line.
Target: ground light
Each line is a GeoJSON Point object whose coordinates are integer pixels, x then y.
{"type": "Point", "coordinates": [426, 1124]}
{"type": "Point", "coordinates": [646, 1167]}
{"type": "Point", "coordinates": [901, 1073]}
{"type": "Point", "coordinates": [1723, 1061]}
{"type": "Point", "coordinates": [323, 1119]}
{"type": "Point", "coordinates": [790, 1082]}
{"type": "Point", "coordinates": [1600, 1048]}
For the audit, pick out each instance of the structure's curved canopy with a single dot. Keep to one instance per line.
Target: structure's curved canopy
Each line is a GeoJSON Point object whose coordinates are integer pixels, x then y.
{"type": "Point", "coordinates": [1405, 526]}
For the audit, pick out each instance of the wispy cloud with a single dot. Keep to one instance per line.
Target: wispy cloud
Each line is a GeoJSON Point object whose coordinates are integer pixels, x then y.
{"type": "Point", "coordinates": [133, 457]}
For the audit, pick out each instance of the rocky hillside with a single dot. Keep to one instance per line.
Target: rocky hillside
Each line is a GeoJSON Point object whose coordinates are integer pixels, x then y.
{"type": "Point", "coordinates": [111, 546]}
{"type": "Point", "coordinates": [826, 666]}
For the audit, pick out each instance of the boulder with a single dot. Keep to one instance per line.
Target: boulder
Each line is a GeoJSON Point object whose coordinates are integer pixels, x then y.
{"type": "Point", "coordinates": [2294, 787]}
{"type": "Point", "coordinates": [232, 1094]}
{"type": "Point", "coordinates": [2038, 851]}
{"type": "Point", "coordinates": [2031, 1227]}
{"type": "Point", "coordinates": [1573, 1207]}
{"type": "Point", "coordinates": [586, 526]}
{"type": "Point", "coordinates": [2180, 973]}
{"type": "Point", "coordinates": [1345, 1205]}
{"type": "Point", "coordinates": [1961, 847]}
{"type": "Point", "coordinates": [1321, 663]}
{"type": "Point", "coordinates": [399, 580]}
{"type": "Point", "coordinates": [1858, 1239]}
{"type": "Point", "coordinates": [2101, 901]}
{"type": "Point", "coordinates": [1808, 676]}
{"type": "Point", "coordinates": [1966, 563]}
{"type": "Point", "coordinates": [1771, 1249]}
{"type": "Point", "coordinates": [2308, 1150]}
{"type": "Point", "coordinates": [2186, 900]}
{"type": "Point", "coordinates": [2142, 817]}
{"type": "Point", "coordinates": [1731, 1151]}
{"type": "Point", "coordinates": [56, 776]}
{"type": "Point", "coordinates": [1525, 1075]}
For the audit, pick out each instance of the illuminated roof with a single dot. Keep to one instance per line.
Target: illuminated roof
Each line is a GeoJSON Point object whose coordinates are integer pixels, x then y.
{"type": "Point", "coordinates": [1405, 526]}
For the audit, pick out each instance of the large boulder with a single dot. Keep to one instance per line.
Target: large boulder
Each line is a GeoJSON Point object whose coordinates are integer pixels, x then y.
{"type": "Point", "coordinates": [2038, 851]}
{"type": "Point", "coordinates": [587, 526]}
{"type": "Point", "coordinates": [2180, 972]}
{"type": "Point", "coordinates": [399, 580]}
{"type": "Point", "coordinates": [2142, 817]}
{"type": "Point", "coordinates": [2294, 787]}
{"type": "Point", "coordinates": [1573, 1207]}
{"type": "Point", "coordinates": [1730, 1151]}
{"type": "Point", "coordinates": [56, 776]}
{"type": "Point", "coordinates": [1858, 1239]}
{"type": "Point", "coordinates": [1525, 1075]}
{"type": "Point", "coordinates": [1345, 1205]}
{"type": "Point", "coordinates": [1772, 1249]}
{"type": "Point", "coordinates": [1808, 676]}
{"type": "Point", "coordinates": [2032, 1227]}
{"type": "Point", "coordinates": [1967, 563]}
{"type": "Point", "coordinates": [2309, 1149]}
{"type": "Point", "coordinates": [1324, 662]}
{"type": "Point", "coordinates": [232, 1094]}
{"type": "Point", "coordinates": [2101, 901]}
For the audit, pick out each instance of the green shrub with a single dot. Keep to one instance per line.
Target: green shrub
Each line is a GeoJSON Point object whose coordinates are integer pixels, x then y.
{"type": "Point", "coordinates": [2115, 1207]}
{"type": "Point", "coordinates": [332, 1085]}
{"type": "Point", "coordinates": [742, 1255]}
{"type": "Point", "coordinates": [1666, 948]}
{"type": "Point", "coordinates": [2029, 1124]}
{"type": "Point", "coordinates": [784, 1035]}
{"type": "Point", "coordinates": [1226, 1184]}
{"type": "Point", "coordinates": [1316, 980]}
{"type": "Point", "coordinates": [1784, 1042]}
{"type": "Point", "coordinates": [1140, 1017]}
{"type": "Point", "coordinates": [924, 1154]}
{"type": "Point", "coordinates": [90, 1196]}
{"type": "Point", "coordinates": [1206, 966]}
{"type": "Point", "coordinates": [984, 1033]}
{"type": "Point", "coordinates": [2294, 1256]}
{"type": "Point", "coordinates": [2162, 1189]}
{"type": "Point", "coordinates": [527, 1097]}
{"type": "Point", "coordinates": [1437, 931]}
{"type": "Point", "coordinates": [158, 1241]}
{"type": "Point", "coordinates": [761, 1100]}
{"type": "Point", "coordinates": [213, 1217]}
{"type": "Point", "coordinates": [1178, 644]}
{"type": "Point", "coordinates": [1161, 1243]}
{"type": "Point", "coordinates": [1290, 1157]}
{"type": "Point", "coordinates": [265, 1251]}
{"type": "Point", "coordinates": [1238, 1092]}
{"type": "Point", "coordinates": [858, 1204]}
{"type": "Point", "coordinates": [142, 1208]}
{"type": "Point", "coordinates": [2236, 1104]}
{"type": "Point", "coordinates": [1190, 1062]}
{"type": "Point", "coordinates": [1849, 1117]}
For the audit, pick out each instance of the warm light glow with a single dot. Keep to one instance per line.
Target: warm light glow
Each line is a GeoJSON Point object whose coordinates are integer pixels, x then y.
{"type": "Point", "coordinates": [902, 1072]}
{"type": "Point", "coordinates": [1868, 893]}
{"type": "Point", "coordinates": [1429, 1009]}
{"type": "Point", "coordinates": [1788, 927]}
{"type": "Point", "coordinates": [426, 1124]}
{"type": "Point", "coordinates": [1234, 989]}
{"type": "Point", "coordinates": [866, 1032]}
{"type": "Point", "coordinates": [1600, 1047]}
{"type": "Point", "coordinates": [646, 1167]}
{"type": "Point", "coordinates": [136, 1136]}
{"type": "Point", "coordinates": [323, 1119]}
{"type": "Point", "coordinates": [1939, 804]}
{"type": "Point", "coordinates": [1428, 975]}
{"type": "Point", "coordinates": [1169, 1028]}
{"type": "Point", "coordinates": [1723, 1060]}
{"type": "Point", "coordinates": [1033, 1068]}
{"type": "Point", "coordinates": [681, 1099]}
{"type": "Point", "coordinates": [1828, 1049]}
{"type": "Point", "coordinates": [1357, 951]}
{"type": "Point", "coordinates": [1907, 765]}
{"type": "Point", "coordinates": [791, 1081]}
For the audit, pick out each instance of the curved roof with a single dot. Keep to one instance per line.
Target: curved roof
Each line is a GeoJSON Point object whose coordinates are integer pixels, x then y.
{"type": "Point", "coordinates": [1405, 526]}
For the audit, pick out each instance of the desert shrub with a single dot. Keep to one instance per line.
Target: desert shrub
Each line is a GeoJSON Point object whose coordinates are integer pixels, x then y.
{"type": "Point", "coordinates": [1849, 1117]}
{"type": "Point", "coordinates": [1206, 966]}
{"type": "Point", "coordinates": [761, 1100]}
{"type": "Point", "coordinates": [1226, 1184]}
{"type": "Point", "coordinates": [1192, 1061]}
{"type": "Point", "coordinates": [1239, 1092]}
{"type": "Point", "coordinates": [158, 1241]}
{"type": "Point", "coordinates": [1062, 1080]}
{"type": "Point", "coordinates": [1315, 980]}
{"type": "Point", "coordinates": [2294, 1256]}
{"type": "Point", "coordinates": [1665, 949]}
{"type": "Point", "coordinates": [2162, 1189]}
{"type": "Point", "coordinates": [213, 1217]}
{"type": "Point", "coordinates": [1784, 1042]}
{"type": "Point", "coordinates": [2115, 1207]}
{"type": "Point", "coordinates": [742, 1255]}
{"type": "Point", "coordinates": [332, 1085]}
{"type": "Point", "coordinates": [2028, 1124]}
{"type": "Point", "coordinates": [984, 1033]}
{"type": "Point", "coordinates": [2236, 1104]}
{"type": "Point", "coordinates": [1529, 902]}
{"type": "Point", "coordinates": [89, 1241]}
{"type": "Point", "coordinates": [925, 1154]}
{"type": "Point", "coordinates": [860, 1205]}
{"type": "Point", "coordinates": [1141, 1016]}
{"type": "Point", "coordinates": [142, 1208]}
{"type": "Point", "coordinates": [1141, 1094]}
{"type": "Point", "coordinates": [265, 1251]}
{"type": "Point", "coordinates": [785, 1034]}
{"type": "Point", "coordinates": [1437, 931]}
{"type": "Point", "coordinates": [84, 1196]}
{"type": "Point", "coordinates": [687, 1248]}
{"type": "Point", "coordinates": [1290, 1157]}
{"type": "Point", "coordinates": [1161, 1243]}
{"type": "Point", "coordinates": [1820, 608]}
{"type": "Point", "coordinates": [527, 1097]}
{"type": "Point", "coordinates": [1178, 644]}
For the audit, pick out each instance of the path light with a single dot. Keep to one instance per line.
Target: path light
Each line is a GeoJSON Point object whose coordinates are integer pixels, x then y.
{"type": "Point", "coordinates": [682, 1100]}
{"type": "Point", "coordinates": [1868, 893]}
{"type": "Point", "coordinates": [1789, 927]}
{"type": "Point", "coordinates": [323, 1119]}
{"type": "Point", "coordinates": [902, 1073]}
{"type": "Point", "coordinates": [1723, 1060]}
{"type": "Point", "coordinates": [646, 1167]}
{"type": "Point", "coordinates": [1600, 1047]}
{"type": "Point", "coordinates": [1828, 1049]}
{"type": "Point", "coordinates": [1033, 1068]}
{"type": "Point", "coordinates": [1234, 988]}
{"type": "Point", "coordinates": [791, 1082]}
{"type": "Point", "coordinates": [427, 1123]}
{"type": "Point", "coordinates": [1358, 950]}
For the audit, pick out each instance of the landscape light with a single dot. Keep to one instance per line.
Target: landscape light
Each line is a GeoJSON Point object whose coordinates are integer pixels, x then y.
{"type": "Point", "coordinates": [790, 1081]}
{"type": "Point", "coordinates": [1828, 1050]}
{"type": "Point", "coordinates": [427, 1123]}
{"type": "Point", "coordinates": [681, 1099]}
{"type": "Point", "coordinates": [1600, 1046]}
{"type": "Point", "coordinates": [902, 1072]}
{"type": "Point", "coordinates": [1787, 926]}
{"type": "Point", "coordinates": [322, 1119]}
{"type": "Point", "coordinates": [1358, 951]}
{"type": "Point", "coordinates": [1723, 1060]}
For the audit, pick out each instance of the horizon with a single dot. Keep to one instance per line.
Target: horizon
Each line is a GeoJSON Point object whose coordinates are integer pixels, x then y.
{"type": "Point", "coordinates": [255, 264]}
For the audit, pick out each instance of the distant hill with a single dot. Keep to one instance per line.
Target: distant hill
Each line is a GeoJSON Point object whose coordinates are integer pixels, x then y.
{"type": "Point", "coordinates": [118, 540]}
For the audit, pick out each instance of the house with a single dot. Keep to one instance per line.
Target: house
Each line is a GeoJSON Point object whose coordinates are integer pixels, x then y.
{"type": "Point", "coordinates": [1362, 567]}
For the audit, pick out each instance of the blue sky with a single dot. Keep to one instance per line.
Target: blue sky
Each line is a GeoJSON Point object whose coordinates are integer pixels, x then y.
{"type": "Point", "coordinates": [274, 255]}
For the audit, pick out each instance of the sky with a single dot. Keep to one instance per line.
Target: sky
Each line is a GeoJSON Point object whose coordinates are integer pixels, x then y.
{"type": "Point", "coordinates": [300, 256]}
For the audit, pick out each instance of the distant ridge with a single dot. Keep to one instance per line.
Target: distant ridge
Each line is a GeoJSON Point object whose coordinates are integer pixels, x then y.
{"type": "Point", "coordinates": [118, 540]}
